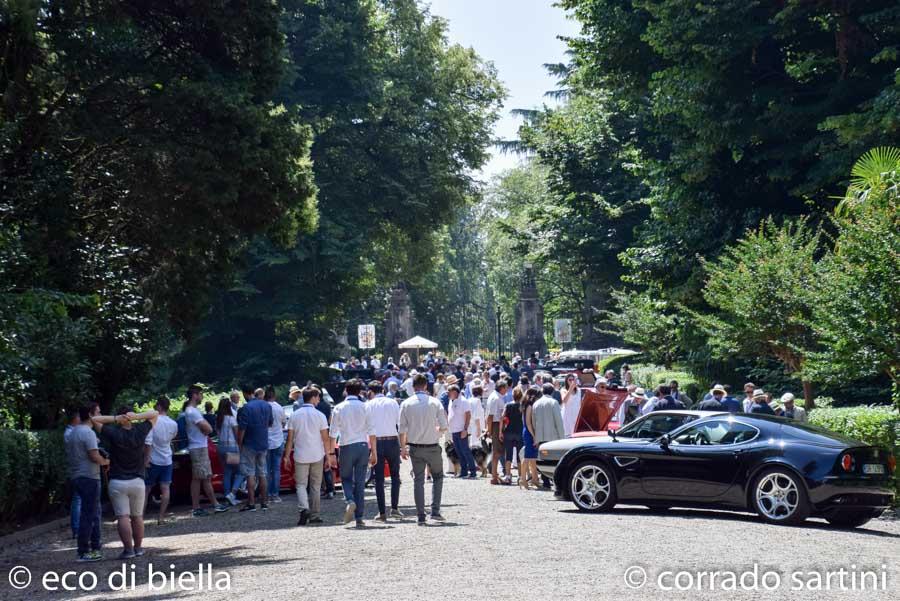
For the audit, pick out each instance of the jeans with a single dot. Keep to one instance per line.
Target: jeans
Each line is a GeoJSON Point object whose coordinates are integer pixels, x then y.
{"type": "Point", "coordinates": [387, 450]}
{"type": "Point", "coordinates": [467, 465]}
{"type": "Point", "coordinates": [354, 465]}
{"type": "Point", "coordinates": [431, 456]}
{"type": "Point", "coordinates": [89, 520]}
{"type": "Point", "coordinates": [231, 474]}
{"type": "Point", "coordinates": [274, 470]}
{"type": "Point", "coordinates": [74, 510]}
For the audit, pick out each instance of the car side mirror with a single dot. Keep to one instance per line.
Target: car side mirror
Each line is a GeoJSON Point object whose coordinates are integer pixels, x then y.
{"type": "Point", "coordinates": [664, 441]}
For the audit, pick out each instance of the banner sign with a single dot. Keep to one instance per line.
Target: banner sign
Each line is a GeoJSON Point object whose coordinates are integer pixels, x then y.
{"type": "Point", "coordinates": [366, 336]}
{"type": "Point", "coordinates": [562, 329]}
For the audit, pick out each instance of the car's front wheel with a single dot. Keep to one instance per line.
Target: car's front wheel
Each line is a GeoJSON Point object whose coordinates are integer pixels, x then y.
{"type": "Point", "coordinates": [592, 487]}
{"type": "Point", "coordinates": [850, 519]}
{"type": "Point", "coordinates": [779, 497]}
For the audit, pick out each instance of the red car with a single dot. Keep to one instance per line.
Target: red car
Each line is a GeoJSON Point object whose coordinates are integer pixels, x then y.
{"type": "Point", "coordinates": [181, 471]}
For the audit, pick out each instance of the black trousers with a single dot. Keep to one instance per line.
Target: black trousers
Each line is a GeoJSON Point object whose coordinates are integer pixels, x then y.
{"type": "Point", "coordinates": [387, 451]}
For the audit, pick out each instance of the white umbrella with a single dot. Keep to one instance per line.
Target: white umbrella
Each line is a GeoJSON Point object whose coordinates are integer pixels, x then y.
{"type": "Point", "coordinates": [418, 342]}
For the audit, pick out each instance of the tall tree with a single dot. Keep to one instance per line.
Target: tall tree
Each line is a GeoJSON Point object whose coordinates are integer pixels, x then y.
{"type": "Point", "coordinates": [141, 145]}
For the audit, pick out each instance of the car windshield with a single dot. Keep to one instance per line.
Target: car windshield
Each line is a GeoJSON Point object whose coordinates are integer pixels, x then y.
{"type": "Point", "coordinates": [716, 432]}
{"type": "Point", "coordinates": [654, 425]}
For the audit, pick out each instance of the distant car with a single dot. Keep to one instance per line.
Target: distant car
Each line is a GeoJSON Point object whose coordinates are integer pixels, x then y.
{"type": "Point", "coordinates": [647, 427]}
{"type": "Point", "coordinates": [782, 470]}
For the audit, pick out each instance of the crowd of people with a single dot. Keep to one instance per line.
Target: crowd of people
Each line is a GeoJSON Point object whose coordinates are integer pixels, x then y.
{"type": "Point", "coordinates": [469, 408]}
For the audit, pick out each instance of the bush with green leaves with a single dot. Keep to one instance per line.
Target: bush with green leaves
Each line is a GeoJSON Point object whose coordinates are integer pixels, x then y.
{"type": "Point", "coordinates": [856, 308]}
{"type": "Point", "coordinates": [32, 473]}
{"type": "Point", "coordinates": [756, 288]}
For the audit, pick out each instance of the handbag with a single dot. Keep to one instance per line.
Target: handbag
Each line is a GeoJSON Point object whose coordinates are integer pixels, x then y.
{"type": "Point", "coordinates": [232, 458]}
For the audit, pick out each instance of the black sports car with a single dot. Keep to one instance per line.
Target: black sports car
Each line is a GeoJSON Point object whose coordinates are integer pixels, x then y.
{"type": "Point", "coordinates": [780, 469]}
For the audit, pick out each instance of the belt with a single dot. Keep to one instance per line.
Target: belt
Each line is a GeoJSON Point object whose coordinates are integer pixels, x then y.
{"type": "Point", "coordinates": [423, 445]}
{"type": "Point", "coordinates": [387, 437]}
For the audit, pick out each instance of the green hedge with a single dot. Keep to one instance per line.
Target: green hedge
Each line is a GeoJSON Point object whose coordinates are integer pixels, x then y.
{"type": "Point", "coordinates": [878, 426]}
{"type": "Point", "coordinates": [32, 473]}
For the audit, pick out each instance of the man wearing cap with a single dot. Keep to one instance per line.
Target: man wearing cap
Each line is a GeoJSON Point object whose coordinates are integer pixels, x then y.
{"type": "Point", "coordinates": [407, 386]}
{"type": "Point", "coordinates": [790, 409]}
{"type": "Point", "coordinates": [761, 403]}
{"type": "Point", "coordinates": [384, 413]}
{"type": "Point", "coordinates": [422, 422]}
{"type": "Point", "coordinates": [295, 394]}
{"type": "Point", "coordinates": [631, 406]}
{"type": "Point", "coordinates": [198, 429]}
{"type": "Point", "coordinates": [714, 403]}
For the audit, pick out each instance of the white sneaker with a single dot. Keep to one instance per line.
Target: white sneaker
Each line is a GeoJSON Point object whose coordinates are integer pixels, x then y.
{"type": "Point", "coordinates": [232, 499]}
{"type": "Point", "coordinates": [349, 511]}
{"type": "Point", "coordinates": [276, 499]}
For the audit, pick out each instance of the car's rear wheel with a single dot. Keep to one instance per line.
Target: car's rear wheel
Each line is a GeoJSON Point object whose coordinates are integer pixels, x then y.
{"type": "Point", "coordinates": [779, 497]}
{"type": "Point", "coordinates": [592, 487]}
{"type": "Point", "coordinates": [849, 519]}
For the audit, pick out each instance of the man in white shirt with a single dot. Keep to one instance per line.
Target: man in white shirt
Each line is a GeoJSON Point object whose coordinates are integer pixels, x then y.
{"type": "Point", "coordinates": [350, 421]}
{"type": "Point", "coordinates": [422, 422]}
{"type": "Point", "coordinates": [375, 363]}
{"type": "Point", "coordinates": [158, 456]}
{"type": "Point", "coordinates": [384, 414]}
{"type": "Point", "coordinates": [276, 447]}
{"type": "Point", "coordinates": [495, 406]}
{"type": "Point", "coordinates": [201, 469]}
{"type": "Point", "coordinates": [476, 423]}
{"type": "Point", "coordinates": [308, 439]}
{"type": "Point", "coordinates": [460, 416]}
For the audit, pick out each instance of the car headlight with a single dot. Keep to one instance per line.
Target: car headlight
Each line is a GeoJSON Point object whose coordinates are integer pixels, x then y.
{"type": "Point", "coordinates": [545, 453]}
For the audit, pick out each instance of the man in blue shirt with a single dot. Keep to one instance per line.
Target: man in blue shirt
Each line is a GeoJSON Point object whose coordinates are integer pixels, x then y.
{"type": "Point", "coordinates": [254, 420]}
{"type": "Point", "coordinates": [731, 404]}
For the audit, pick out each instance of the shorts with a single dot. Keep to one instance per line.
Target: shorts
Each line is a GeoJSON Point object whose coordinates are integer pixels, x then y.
{"type": "Point", "coordinates": [158, 474]}
{"type": "Point", "coordinates": [201, 468]}
{"type": "Point", "coordinates": [127, 497]}
{"type": "Point", "coordinates": [511, 447]}
{"type": "Point", "coordinates": [253, 463]}
{"type": "Point", "coordinates": [496, 445]}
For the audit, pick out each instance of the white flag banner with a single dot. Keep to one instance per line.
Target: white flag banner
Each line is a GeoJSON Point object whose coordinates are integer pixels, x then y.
{"type": "Point", "coordinates": [562, 329]}
{"type": "Point", "coordinates": [366, 334]}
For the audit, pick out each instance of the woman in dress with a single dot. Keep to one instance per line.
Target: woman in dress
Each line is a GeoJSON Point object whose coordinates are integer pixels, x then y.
{"type": "Point", "coordinates": [530, 453]}
{"type": "Point", "coordinates": [571, 404]}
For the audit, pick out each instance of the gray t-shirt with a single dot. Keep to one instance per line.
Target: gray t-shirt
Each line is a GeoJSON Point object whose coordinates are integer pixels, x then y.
{"type": "Point", "coordinates": [79, 442]}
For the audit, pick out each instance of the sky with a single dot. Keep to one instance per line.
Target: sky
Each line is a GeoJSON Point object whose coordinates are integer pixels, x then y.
{"type": "Point", "coordinates": [518, 36]}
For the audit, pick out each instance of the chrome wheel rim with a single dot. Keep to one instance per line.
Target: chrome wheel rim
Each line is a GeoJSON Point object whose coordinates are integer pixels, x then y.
{"type": "Point", "coordinates": [590, 486]}
{"type": "Point", "coordinates": [777, 496]}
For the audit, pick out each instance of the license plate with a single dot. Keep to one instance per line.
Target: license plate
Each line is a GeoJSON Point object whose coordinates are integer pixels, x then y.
{"type": "Point", "coordinates": [873, 468]}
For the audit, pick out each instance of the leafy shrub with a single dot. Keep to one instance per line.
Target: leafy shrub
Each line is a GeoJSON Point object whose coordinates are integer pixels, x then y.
{"type": "Point", "coordinates": [879, 426]}
{"type": "Point", "coordinates": [650, 376]}
{"type": "Point", "coordinates": [32, 473]}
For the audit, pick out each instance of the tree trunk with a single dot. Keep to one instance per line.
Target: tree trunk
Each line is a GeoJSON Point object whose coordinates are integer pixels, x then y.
{"type": "Point", "coordinates": [808, 395]}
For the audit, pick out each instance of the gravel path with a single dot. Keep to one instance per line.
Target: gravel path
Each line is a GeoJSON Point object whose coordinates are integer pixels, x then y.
{"type": "Point", "coordinates": [498, 543]}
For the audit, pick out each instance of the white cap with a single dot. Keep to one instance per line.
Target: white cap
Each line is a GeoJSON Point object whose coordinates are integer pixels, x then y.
{"type": "Point", "coordinates": [787, 397]}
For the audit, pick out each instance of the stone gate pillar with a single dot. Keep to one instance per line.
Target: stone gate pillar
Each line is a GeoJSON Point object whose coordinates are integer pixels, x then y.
{"type": "Point", "coordinates": [398, 321]}
{"type": "Point", "coordinates": [529, 318]}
